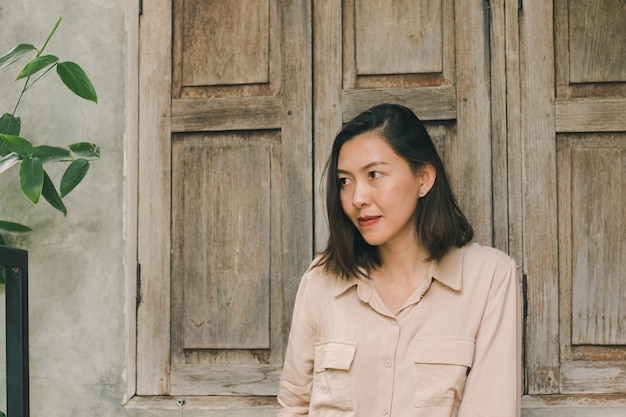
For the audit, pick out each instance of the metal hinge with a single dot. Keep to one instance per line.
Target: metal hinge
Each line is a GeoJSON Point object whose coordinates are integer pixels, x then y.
{"type": "Point", "coordinates": [524, 331]}
{"type": "Point", "coordinates": [138, 289]}
{"type": "Point", "coordinates": [525, 296]}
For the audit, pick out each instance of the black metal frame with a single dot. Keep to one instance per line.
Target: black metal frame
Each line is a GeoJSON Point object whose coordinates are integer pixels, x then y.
{"type": "Point", "coordinates": [16, 263]}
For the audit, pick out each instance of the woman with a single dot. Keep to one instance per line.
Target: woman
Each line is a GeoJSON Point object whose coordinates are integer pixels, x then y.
{"type": "Point", "coordinates": [400, 315]}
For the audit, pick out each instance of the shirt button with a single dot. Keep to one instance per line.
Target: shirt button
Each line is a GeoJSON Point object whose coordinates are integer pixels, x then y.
{"type": "Point", "coordinates": [385, 411]}
{"type": "Point", "coordinates": [388, 363]}
{"type": "Point", "coordinates": [394, 322]}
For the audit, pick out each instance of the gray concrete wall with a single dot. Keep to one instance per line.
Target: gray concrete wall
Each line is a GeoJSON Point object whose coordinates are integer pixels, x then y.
{"type": "Point", "coordinates": [76, 274]}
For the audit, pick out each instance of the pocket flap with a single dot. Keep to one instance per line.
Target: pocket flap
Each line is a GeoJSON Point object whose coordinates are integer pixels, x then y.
{"type": "Point", "coordinates": [334, 354]}
{"type": "Point", "coordinates": [445, 350]}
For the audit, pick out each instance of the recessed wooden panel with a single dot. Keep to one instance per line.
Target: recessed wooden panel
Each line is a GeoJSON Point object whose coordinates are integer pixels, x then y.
{"type": "Point", "coordinates": [226, 42]}
{"type": "Point", "coordinates": [597, 41]}
{"type": "Point", "coordinates": [399, 36]}
{"type": "Point", "coordinates": [222, 199]}
{"type": "Point", "coordinates": [598, 207]}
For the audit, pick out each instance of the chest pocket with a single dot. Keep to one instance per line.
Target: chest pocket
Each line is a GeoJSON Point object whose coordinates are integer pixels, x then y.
{"type": "Point", "coordinates": [441, 368]}
{"type": "Point", "coordinates": [332, 379]}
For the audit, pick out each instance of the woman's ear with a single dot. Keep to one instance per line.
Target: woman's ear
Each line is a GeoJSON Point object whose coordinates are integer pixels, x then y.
{"type": "Point", "coordinates": [426, 176]}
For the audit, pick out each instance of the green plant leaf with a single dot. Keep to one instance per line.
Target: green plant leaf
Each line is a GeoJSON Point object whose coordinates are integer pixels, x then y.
{"type": "Point", "coordinates": [31, 178]}
{"type": "Point", "coordinates": [51, 195]}
{"type": "Point", "coordinates": [14, 227]}
{"type": "Point", "coordinates": [15, 54]}
{"type": "Point", "coordinates": [76, 80]}
{"type": "Point", "coordinates": [3, 280]}
{"type": "Point", "coordinates": [73, 175]}
{"type": "Point", "coordinates": [51, 153]}
{"type": "Point", "coordinates": [10, 125]}
{"type": "Point", "coordinates": [37, 65]}
{"type": "Point", "coordinates": [17, 144]}
{"type": "Point", "coordinates": [85, 149]}
{"type": "Point", "coordinates": [8, 161]}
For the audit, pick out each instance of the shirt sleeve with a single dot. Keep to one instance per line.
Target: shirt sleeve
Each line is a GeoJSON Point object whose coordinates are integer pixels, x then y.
{"type": "Point", "coordinates": [294, 392]}
{"type": "Point", "coordinates": [493, 386]}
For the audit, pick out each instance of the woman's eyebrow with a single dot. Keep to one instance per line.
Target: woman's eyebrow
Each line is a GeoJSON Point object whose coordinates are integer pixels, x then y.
{"type": "Point", "coordinates": [373, 164]}
{"type": "Point", "coordinates": [364, 168]}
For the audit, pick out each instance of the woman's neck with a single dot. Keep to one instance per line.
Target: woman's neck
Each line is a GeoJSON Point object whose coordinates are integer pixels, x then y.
{"type": "Point", "coordinates": [403, 261]}
{"type": "Point", "coordinates": [401, 273]}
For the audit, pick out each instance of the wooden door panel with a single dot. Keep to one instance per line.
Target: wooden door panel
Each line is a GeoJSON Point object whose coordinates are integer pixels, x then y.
{"type": "Point", "coordinates": [591, 172]}
{"type": "Point", "coordinates": [237, 198]}
{"type": "Point", "coordinates": [235, 138]}
{"type": "Point", "coordinates": [598, 277]}
{"type": "Point", "coordinates": [398, 37]}
{"type": "Point", "coordinates": [222, 236]}
{"type": "Point", "coordinates": [591, 145]}
{"type": "Point", "coordinates": [597, 41]}
{"type": "Point", "coordinates": [574, 182]}
{"type": "Point", "coordinates": [408, 52]}
{"type": "Point", "coordinates": [592, 189]}
{"type": "Point", "coordinates": [226, 43]}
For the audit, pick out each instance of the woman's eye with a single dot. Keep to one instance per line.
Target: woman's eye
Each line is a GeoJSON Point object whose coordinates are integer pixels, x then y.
{"type": "Point", "coordinates": [374, 174]}
{"type": "Point", "coordinates": [344, 181]}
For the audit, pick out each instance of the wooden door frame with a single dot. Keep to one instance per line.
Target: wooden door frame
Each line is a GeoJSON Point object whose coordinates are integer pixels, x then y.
{"type": "Point", "coordinates": [131, 182]}
{"type": "Point", "coordinates": [147, 191]}
{"type": "Point", "coordinates": [509, 199]}
{"type": "Point", "coordinates": [532, 117]}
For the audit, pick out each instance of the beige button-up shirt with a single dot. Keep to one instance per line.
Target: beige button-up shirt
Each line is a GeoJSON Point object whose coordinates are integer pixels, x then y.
{"type": "Point", "coordinates": [453, 349]}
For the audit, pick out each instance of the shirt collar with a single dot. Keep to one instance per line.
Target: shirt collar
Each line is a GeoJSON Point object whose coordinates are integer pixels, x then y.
{"type": "Point", "coordinates": [343, 285]}
{"type": "Point", "coordinates": [448, 271]}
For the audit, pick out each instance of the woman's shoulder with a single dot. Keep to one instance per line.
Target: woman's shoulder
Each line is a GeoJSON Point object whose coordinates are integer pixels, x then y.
{"type": "Point", "coordinates": [485, 259]}
{"type": "Point", "coordinates": [477, 252]}
{"type": "Point", "coordinates": [317, 276]}
{"type": "Point", "coordinates": [321, 281]}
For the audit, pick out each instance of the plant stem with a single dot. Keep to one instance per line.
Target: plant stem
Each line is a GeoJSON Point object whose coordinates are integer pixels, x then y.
{"type": "Point", "coordinates": [26, 86]}
{"type": "Point", "coordinates": [50, 35]}
{"type": "Point", "coordinates": [21, 95]}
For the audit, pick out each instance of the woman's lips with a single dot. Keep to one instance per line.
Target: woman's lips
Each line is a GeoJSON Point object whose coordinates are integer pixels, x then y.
{"type": "Point", "coordinates": [365, 221]}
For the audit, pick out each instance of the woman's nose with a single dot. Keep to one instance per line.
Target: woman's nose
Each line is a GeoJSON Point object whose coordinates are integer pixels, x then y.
{"type": "Point", "coordinates": [361, 196]}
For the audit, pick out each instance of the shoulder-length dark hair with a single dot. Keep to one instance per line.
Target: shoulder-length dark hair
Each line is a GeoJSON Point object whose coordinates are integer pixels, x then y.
{"type": "Point", "coordinates": [439, 222]}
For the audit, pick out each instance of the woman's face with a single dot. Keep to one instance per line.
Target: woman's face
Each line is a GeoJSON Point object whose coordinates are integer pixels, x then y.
{"type": "Point", "coordinates": [379, 191]}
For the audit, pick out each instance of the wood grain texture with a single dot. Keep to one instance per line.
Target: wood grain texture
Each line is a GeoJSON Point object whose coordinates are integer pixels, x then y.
{"type": "Point", "coordinates": [539, 207]}
{"type": "Point", "coordinates": [590, 144]}
{"type": "Point", "coordinates": [327, 118]}
{"type": "Point", "coordinates": [226, 380]}
{"type": "Point", "coordinates": [593, 377]}
{"type": "Point", "coordinates": [514, 133]}
{"type": "Point", "coordinates": [296, 250]}
{"type": "Point", "coordinates": [398, 37]}
{"type": "Point", "coordinates": [591, 115]}
{"type": "Point", "coordinates": [240, 201]}
{"type": "Point", "coordinates": [226, 43]}
{"type": "Point", "coordinates": [153, 311]}
{"type": "Point", "coordinates": [428, 103]}
{"type": "Point", "coordinates": [592, 242]}
{"type": "Point", "coordinates": [473, 148]}
{"type": "Point", "coordinates": [598, 246]}
{"type": "Point", "coordinates": [230, 113]}
{"type": "Point", "coordinates": [597, 41]}
{"type": "Point", "coordinates": [223, 233]}
{"type": "Point", "coordinates": [498, 75]}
